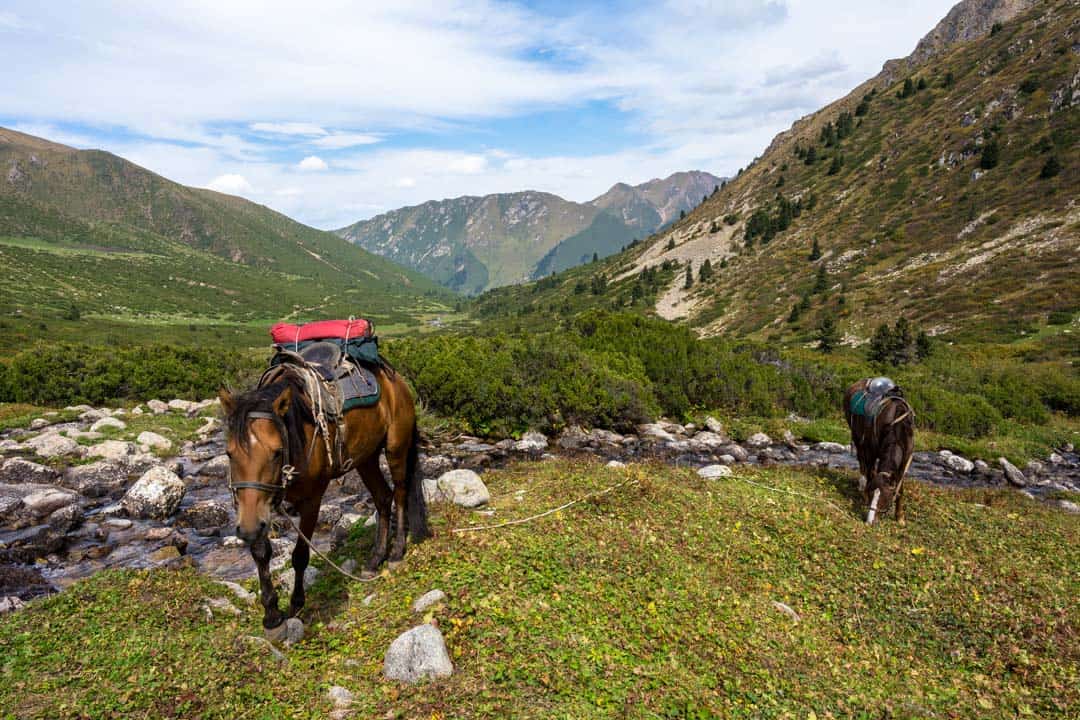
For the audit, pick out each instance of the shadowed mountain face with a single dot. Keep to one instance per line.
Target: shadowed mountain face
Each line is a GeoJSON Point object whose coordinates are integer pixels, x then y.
{"type": "Point", "coordinates": [943, 189]}
{"type": "Point", "coordinates": [471, 244]}
{"type": "Point", "coordinates": [88, 229]}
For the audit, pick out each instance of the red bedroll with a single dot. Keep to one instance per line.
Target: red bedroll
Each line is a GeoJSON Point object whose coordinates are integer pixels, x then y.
{"type": "Point", "coordinates": [283, 333]}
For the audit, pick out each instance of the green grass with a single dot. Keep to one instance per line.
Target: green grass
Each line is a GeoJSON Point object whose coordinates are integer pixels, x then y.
{"type": "Point", "coordinates": [652, 601]}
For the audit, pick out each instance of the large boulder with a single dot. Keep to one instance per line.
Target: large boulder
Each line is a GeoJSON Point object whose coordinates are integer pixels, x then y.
{"type": "Point", "coordinates": [106, 423]}
{"type": "Point", "coordinates": [955, 462]}
{"type": "Point", "coordinates": [531, 442]}
{"type": "Point", "coordinates": [111, 450]}
{"type": "Point", "coordinates": [204, 515]}
{"type": "Point", "coordinates": [707, 440]}
{"type": "Point", "coordinates": [418, 654]}
{"type": "Point", "coordinates": [156, 494]}
{"type": "Point", "coordinates": [573, 438]}
{"type": "Point", "coordinates": [153, 441]}
{"type": "Point", "coordinates": [183, 406]}
{"type": "Point", "coordinates": [50, 445]}
{"type": "Point", "coordinates": [461, 487]}
{"type": "Point", "coordinates": [17, 470]}
{"type": "Point", "coordinates": [41, 503]}
{"type": "Point", "coordinates": [1012, 473]}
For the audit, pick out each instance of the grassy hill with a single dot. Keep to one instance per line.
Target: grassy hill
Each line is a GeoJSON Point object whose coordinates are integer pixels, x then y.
{"type": "Point", "coordinates": [86, 236]}
{"type": "Point", "coordinates": [473, 243]}
{"type": "Point", "coordinates": [944, 189]}
{"type": "Point", "coordinates": [654, 600]}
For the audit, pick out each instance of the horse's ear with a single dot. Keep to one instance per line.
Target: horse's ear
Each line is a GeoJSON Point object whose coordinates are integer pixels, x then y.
{"type": "Point", "coordinates": [228, 402]}
{"type": "Point", "coordinates": [282, 402]}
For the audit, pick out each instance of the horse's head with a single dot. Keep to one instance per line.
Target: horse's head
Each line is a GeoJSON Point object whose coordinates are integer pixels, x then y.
{"type": "Point", "coordinates": [256, 444]}
{"type": "Point", "coordinates": [880, 494]}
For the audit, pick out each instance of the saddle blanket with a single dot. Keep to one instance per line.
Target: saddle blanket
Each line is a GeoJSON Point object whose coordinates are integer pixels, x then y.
{"type": "Point", "coordinates": [354, 384]}
{"type": "Point", "coordinates": [869, 402]}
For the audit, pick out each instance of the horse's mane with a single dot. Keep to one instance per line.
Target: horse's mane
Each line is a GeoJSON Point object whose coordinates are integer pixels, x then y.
{"type": "Point", "coordinates": [261, 399]}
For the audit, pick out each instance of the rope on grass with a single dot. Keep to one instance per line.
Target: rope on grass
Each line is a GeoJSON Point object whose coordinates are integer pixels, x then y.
{"type": "Point", "coordinates": [321, 554]}
{"type": "Point", "coordinates": [789, 492]}
{"type": "Point", "coordinates": [521, 521]}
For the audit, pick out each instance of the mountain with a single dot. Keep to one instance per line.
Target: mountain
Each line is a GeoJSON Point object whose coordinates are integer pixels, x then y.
{"type": "Point", "coordinates": [87, 233]}
{"type": "Point", "coordinates": [943, 190]}
{"type": "Point", "coordinates": [471, 243]}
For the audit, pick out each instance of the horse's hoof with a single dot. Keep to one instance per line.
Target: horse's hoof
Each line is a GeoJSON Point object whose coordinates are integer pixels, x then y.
{"type": "Point", "coordinates": [276, 634]}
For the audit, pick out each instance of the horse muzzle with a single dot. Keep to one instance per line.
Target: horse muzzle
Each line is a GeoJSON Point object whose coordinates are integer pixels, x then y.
{"type": "Point", "coordinates": [251, 535]}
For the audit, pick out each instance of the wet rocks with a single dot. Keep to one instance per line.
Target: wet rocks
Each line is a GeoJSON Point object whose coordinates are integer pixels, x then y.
{"type": "Point", "coordinates": [955, 462]}
{"type": "Point", "coordinates": [39, 424]}
{"type": "Point", "coordinates": [204, 515]}
{"type": "Point", "coordinates": [45, 501]}
{"type": "Point", "coordinates": [217, 467]}
{"type": "Point", "coordinates": [9, 604]}
{"type": "Point", "coordinates": [707, 441]}
{"type": "Point", "coordinates": [418, 654]}
{"type": "Point", "coordinates": [573, 438]}
{"type": "Point", "coordinates": [97, 479]}
{"type": "Point", "coordinates": [655, 432]}
{"type": "Point", "coordinates": [156, 494]}
{"type": "Point", "coordinates": [714, 425]}
{"type": "Point", "coordinates": [830, 447]}
{"type": "Point", "coordinates": [17, 470]}
{"type": "Point", "coordinates": [461, 487]}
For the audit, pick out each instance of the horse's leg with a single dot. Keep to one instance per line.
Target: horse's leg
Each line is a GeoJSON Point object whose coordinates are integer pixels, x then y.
{"type": "Point", "coordinates": [301, 554]}
{"type": "Point", "coordinates": [261, 551]}
{"type": "Point", "coordinates": [397, 459]}
{"type": "Point", "coordinates": [373, 478]}
{"type": "Point", "coordinates": [900, 501]}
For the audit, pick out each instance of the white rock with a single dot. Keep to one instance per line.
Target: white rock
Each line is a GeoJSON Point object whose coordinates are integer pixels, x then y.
{"type": "Point", "coordinates": [830, 447]}
{"type": "Point", "coordinates": [416, 655]}
{"type": "Point", "coordinates": [431, 597]}
{"type": "Point", "coordinates": [339, 696]}
{"type": "Point", "coordinates": [955, 462]}
{"type": "Point", "coordinates": [287, 579]}
{"type": "Point", "coordinates": [461, 487]}
{"type": "Point", "coordinates": [347, 520]}
{"type": "Point", "coordinates": [726, 459]}
{"type": "Point", "coordinates": [1056, 459]}
{"type": "Point", "coordinates": [91, 415]}
{"type": "Point", "coordinates": [111, 450]}
{"type": "Point", "coordinates": [1012, 473]}
{"type": "Point", "coordinates": [714, 425]}
{"type": "Point", "coordinates": [43, 502]}
{"type": "Point", "coordinates": [758, 440]}
{"type": "Point", "coordinates": [157, 407]}
{"type": "Point", "coordinates": [714, 471]}
{"type": "Point", "coordinates": [209, 426]}
{"type": "Point", "coordinates": [10, 603]}
{"type": "Point", "coordinates": [655, 431]}
{"type": "Point", "coordinates": [615, 464]}
{"type": "Point", "coordinates": [17, 470]}
{"type": "Point", "coordinates": [266, 646]}
{"type": "Point", "coordinates": [39, 423]}
{"type": "Point", "coordinates": [153, 440]}
{"type": "Point", "coordinates": [1069, 506]}
{"type": "Point", "coordinates": [50, 445]}
{"type": "Point", "coordinates": [137, 410]}
{"type": "Point", "coordinates": [156, 494]}
{"type": "Point", "coordinates": [531, 441]}
{"type": "Point", "coordinates": [241, 594]}
{"type": "Point", "coordinates": [108, 422]}
{"type": "Point", "coordinates": [372, 519]}
{"type": "Point", "coordinates": [181, 405]}
{"type": "Point", "coordinates": [707, 440]}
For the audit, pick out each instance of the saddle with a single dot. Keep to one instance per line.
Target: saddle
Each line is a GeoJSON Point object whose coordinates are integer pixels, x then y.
{"type": "Point", "coordinates": [346, 383]}
{"type": "Point", "coordinates": [868, 403]}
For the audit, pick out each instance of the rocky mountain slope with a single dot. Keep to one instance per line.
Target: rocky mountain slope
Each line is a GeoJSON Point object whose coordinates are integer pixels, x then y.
{"type": "Point", "coordinates": [943, 189]}
{"type": "Point", "coordinates": [85, 231]}
{"type": "Point", "coordinates": [470, 244]}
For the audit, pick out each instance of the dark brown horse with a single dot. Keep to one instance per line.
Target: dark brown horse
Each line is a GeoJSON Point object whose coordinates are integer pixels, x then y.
{"type": "Point", "coordinates": [276, 453]}
{"type": "Point", "coordinates": [884, 442]}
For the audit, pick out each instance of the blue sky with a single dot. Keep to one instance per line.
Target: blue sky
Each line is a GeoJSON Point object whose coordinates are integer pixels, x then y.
{"type": "Point", "coordinates": [334, 112]}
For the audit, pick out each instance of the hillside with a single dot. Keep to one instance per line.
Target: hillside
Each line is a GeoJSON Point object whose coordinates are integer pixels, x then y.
{"type": "Point", "coordinates": [943, 189]}
{"type": "Point", "coordinates": [86, 233]}
{"type": "Point", "coordinates": [472, 243]}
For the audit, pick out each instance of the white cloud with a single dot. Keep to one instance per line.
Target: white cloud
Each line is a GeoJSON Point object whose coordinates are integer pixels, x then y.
{"type": "Point", "coordinates": [406, 182]}
{"type": "Point", "coordinates": [312, 162]}
{"type": "Point", "coordinates": [288, 128]}
{"type": "Point", "coordinates": [231, 184]}
{"type": "Point", "coordinates": [338, 141]}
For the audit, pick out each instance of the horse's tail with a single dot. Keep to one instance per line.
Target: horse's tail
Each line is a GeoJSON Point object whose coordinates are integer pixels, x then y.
{"type": "Point", "coordinates": [418, 516]}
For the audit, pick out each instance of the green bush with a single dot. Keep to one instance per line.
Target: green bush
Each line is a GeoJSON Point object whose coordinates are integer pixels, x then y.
{"type": "Point", "coordinates": [952, 413]}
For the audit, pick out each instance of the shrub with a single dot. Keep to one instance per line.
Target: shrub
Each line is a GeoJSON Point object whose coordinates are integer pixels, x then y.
{"type": "Point", "coordinates": [945, 411]}
{"type": "Point", "coordinates": [1050, 168]}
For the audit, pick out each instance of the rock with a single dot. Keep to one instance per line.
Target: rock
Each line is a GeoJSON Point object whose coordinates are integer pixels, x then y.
{"type": "Point", "coordinates": [43, 502]}
{"type": "Point", "coordinates": [435, 465]}
{"type": "Point", "coordinates": [830, 447]}
{"type": "Point", "coordinates": [137, 410]}
{"type": "Point", "coordinates": [164, 554]}
{"type": "Point", "coordinates": [428, 599]}
{"type": "Point", "coordinates": [416, 655]}
{"type": "Point", "coordinates": [981, 468]}
{"type": "Point", "coordinates": [339, 696]}
{"type": "Point", "coordinates": [476, 447]}
{"type": "Point", "coordinates": [156, 494]}
{"type": "Point", "coordinates": [153, 440]}
{"type": "Point", "coordinates": [374, 518]}
{"type": "Point", "coordinates": [204, 515]}
{"type": "Point", "coordinates": [330, 514]}
{"type": "Point", "coordinates": [655, 431]}
{"type": "Point", "coordinates": [287, 633]}
{"type": "Point", "coordinates": [955, 462]}
{"type": "Point", "coordinates": [157, 407]}
{"type": "Point", "coordinates": [91, 415]}
{"type": "Point", "coordinates": [287, 579]}
{"type": "Point", "coordinates": [241, 594]}
{"type": "Point", "coordinates": [1068, 506]}
{"type": "Point", "coordinates": [531, 442]}
{"type": "Point", "coordinates": [111, 450]}
{"type": "Point", "coordinates": [1012, 473]}
{"type": "Point", "coordinates": [714, 471]}
{"type": "Point", "coordinates": [758, 440]}
{"type": "Point", "coordinates": [790, 440]}
{"type": "Point", "coordinates": [707, 440]}
{"type": "Point", "coordinates": [96, 479]}
{"type": "Point", "coordinates": [39, 423]}
{"type": "Point", "coordinates": [786, 609]}
{"type": "Point", "coordinates": [181, 405]}
{"type": "Point", "coordinates": [216, 467]}
{"type": "Point", "coordinates": [9, 604]}
{"type": "Point", "coordinates": [1034, 468]}
{"type": "Point", "coordinates": [17, 470]}
{"type": "Point", "coordinates": [108, 422]}
{"type": "Point", "coordinates": [461, 487]}
{"type": "Point", "coordinates": [221, 605]}
{"type": "Point", "coordinates": [347, 520]}
{"type": "Point", "coordinates": [573, 438]}
{"type": "Point", "coordinates": [615, 464]}
{"type": "Point", "coordinates": [714, 425]}
{"type": "Point", "coordinates": [65, 519]}
{"type": "Point", "coordinates": [119, 523]}
{"type": "Point", "coordinates": [735, 451]}
{"type": "Point", "coordinates": [726, 460]}
{"type": "Point", "coordinates": [672, 427]}
{"type": "Point", "coordinates": [209, 426]}
{"type": "Point", "coordinates": [78, 408]}
{"type": "Point", "coordinates": [76, 434]}
{"type": "Point", "coordinates": [49, 445]}
{"type": "Point", "coordinates": [1056, 459]}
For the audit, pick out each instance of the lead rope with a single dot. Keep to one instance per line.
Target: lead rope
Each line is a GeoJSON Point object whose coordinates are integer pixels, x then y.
{"type": "Point", "coordinates": [322, 555]}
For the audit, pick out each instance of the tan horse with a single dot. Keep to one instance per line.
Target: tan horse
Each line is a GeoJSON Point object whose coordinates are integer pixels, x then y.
{"type": "Point", "coordinates": [275, 454]}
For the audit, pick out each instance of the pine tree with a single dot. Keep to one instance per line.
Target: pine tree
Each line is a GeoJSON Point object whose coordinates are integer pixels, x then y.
{"type": "Point", "coordinates": [827, 334]}
{"type": "Point", "coordinates": [595, 257]}
{"type": "Point", "coordinates": [880, 344]}
{"type": "Point", "coordinates": [991, 153]}
{"type": "Point", "coordinates": [923, 346]}
{"type": "Point", "coordinates": [815, 252]}
{"type": "Point", "coordinates": [821, 283]}
{"type": "Point", "coordinates": [689, 276]}
{"type": "Point", "coordinates": [811, 155]}
{"type": "Point", "coordinates": [1051, 168]}
{"type": "Point", "coordinates": [796, 311]}
{"type": "Point", "coordinates": [705, 272]}
{"type": "Point", "coordinates": [903, 343]}
{"type": "Point", "coordinates": [836, 164]}
{"type": "Point", "coordinates": [682, 214]}
{"type": "Point", "coordinates": [671, 244]}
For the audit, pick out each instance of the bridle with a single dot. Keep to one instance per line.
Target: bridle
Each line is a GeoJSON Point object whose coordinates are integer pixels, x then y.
{"type": "Point", "coordinates": [287, 472]}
